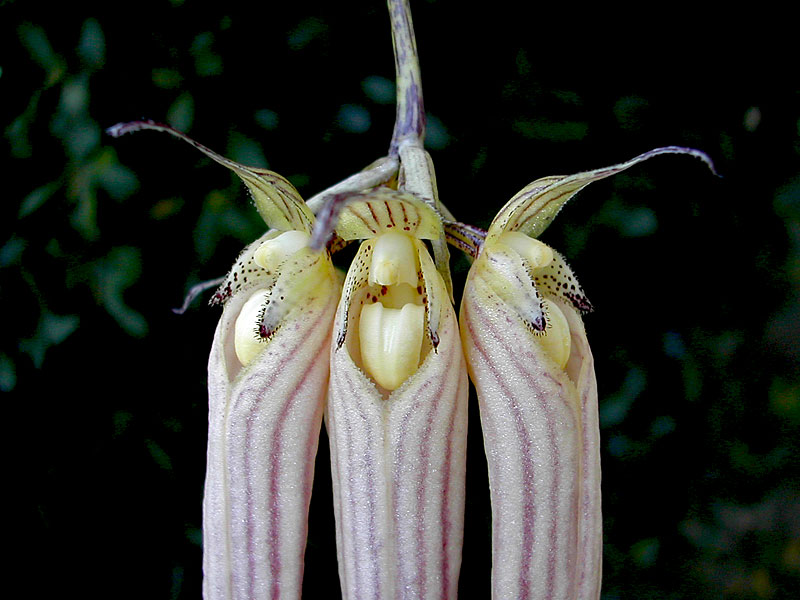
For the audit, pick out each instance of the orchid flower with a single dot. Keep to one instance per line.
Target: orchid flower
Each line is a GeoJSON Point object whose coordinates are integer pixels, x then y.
{"type": "Point", "coordinates": [532, 367]}
{"type": "Point", "coordinates": [397, 399]}
{"type": "Point", "coordinates": [397, 407]}
{"type": "Point", "coordinates": [381, 357]}
{"type": "Point", "coordinates": [267, 380]}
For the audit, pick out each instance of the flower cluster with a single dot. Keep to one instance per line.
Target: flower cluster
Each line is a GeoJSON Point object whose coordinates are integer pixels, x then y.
{"type": "Point", "coordinates": [383, 358]}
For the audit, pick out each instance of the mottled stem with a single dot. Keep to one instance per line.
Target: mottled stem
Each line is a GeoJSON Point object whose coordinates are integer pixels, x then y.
{"type": "Point", "coordinates": [410, 121]}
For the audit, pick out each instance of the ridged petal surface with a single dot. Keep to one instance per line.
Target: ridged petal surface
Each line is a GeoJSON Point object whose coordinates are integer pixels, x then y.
{"type": "Point", "coordinates": [264, 424]}
{"type": "Point", "coordinates": [398, 467]}
{"type": "Point", "coordinates": [541, 440]}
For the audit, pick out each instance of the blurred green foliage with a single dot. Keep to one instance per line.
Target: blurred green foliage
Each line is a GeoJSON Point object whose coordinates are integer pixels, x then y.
{"type": "Point", "coordinates": [695, 279]}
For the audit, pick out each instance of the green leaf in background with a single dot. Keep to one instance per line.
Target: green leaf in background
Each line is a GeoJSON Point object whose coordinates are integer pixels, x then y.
{"type": "Point", "coordinates": [35, 40]}
{"type": "Point", "coordinates": [92, 45]}
{"type": "Point", "coordinates": [8, 373]}
{"type": "Point", "coordinates": [51, 331]}
{"type": "Point", "coordinates": [206, 61]}
{"type": "Point", "coordinates": [111, 277]}
{"type": "Point", "coordinates": [181, 113]}
{"type": "Point", "coordinates": [37, 198]}
{"type": "Point", "coordinates": [380, 90]}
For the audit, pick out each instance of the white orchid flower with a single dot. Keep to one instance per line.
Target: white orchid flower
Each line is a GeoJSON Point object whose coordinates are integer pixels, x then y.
{"type": "Point", "coordinates": [397, 407]}
{"type": "Point", "coordinates": [532, 367]}
{"type": "Point", "coordinates": [267, 381]}
{"type": "Point", "coordinates": [382, 358]}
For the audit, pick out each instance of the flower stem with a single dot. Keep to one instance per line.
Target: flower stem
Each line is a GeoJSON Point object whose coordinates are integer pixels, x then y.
{"type": "Point", "coordinates": [409, 125]}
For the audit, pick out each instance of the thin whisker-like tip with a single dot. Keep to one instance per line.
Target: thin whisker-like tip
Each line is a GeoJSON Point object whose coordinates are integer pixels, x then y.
{"type": "Point", "coordinates": [121, 129]}
{"type": "Point", "coordinates": [691, 152]}
{"type": "Point", "coordinates": [195, 291]}
{"type": "Point", "coordinates": [118, 130]}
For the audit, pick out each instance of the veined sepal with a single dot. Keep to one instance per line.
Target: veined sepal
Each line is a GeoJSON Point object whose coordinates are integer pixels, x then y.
{"type": "Point", "coordinates": [275, 198]}
{"type": "Point", "coordinates": [397, 455]}
{"type": "Point", "coordinates": [528, 356]}
{"type": "Point", "coordinates": [535, 206]}
{"type": "Point", "coordinates": [398, 468]}
{"type": "Point", "coordinates": [542, 445]}
{"type": "Point", "coordinates": [267, 379]}
{"type": "Point", "coordinates": [264, 423]}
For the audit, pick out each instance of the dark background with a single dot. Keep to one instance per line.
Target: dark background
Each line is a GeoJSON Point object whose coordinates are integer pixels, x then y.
{"type": "Point", "coordinates": [695, 279]}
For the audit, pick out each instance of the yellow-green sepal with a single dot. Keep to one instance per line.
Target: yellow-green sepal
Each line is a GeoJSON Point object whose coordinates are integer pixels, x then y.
{"type": "Point", "coordinates": [276, 199]}
{"type": "Point", "coordinates": [534, 207]}
{"type": "Point", "coordinates": [380, 210]}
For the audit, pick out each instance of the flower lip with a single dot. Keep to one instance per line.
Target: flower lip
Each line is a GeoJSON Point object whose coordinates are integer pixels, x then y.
{"type": "Point", "coordinates": [391, 323]}
{"type": "Point", "coordinates": [391, 342]}
{"type": "Point", "coordinates": [393, 268]}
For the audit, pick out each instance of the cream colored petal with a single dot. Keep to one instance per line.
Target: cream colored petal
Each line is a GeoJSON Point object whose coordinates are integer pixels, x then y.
{"type": "Point", "coordinates": [535, 252]}
{"type": "Point", "coordinates": [394, 260]}
{"type": "Point", "coordinates": [272, 253]}
{"type": "Point", "coordinates": [534, 207]}
{"type": "Point", "coordinates": [555, 340]}
{"type": "Point", "coordinates": [391, 342]}
{"type": "Point", "coordinates": [558, 280]}
{"type": "Point", "coordinates": [398, 467]}
{"type": "Point", "coordinates": [247, 342]}
{"type": "Point", "coordinates": [540, 446]}
{"type": "Point", "coordinates": [264, 422]}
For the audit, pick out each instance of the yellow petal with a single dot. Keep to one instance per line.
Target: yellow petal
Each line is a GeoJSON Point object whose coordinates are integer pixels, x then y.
{"type": "Point", "coordinates": [535, 252]}
{"type": "Point", "coordinates": [247, 342]}
{"type": "Point", "coordinates": [393, 260]}
{"type": "Point", "coordinates": [391, 340]}
{"type": "Point", "coordinates": [272, 253]}
{"type": "Point", "coordinates": [556, 339]}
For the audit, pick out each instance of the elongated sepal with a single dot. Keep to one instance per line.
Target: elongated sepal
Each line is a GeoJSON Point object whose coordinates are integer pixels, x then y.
{"type": "Point", "coordinates": [535, 206]}
{"type": "Point", "coordinates": [398, 468]}
{"type": "Point", "coordinates": [276, 199]}
{"type": "Point", "coordinates": [541, 436]}
{"type": "Point", "coordinates": [264, 422]}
